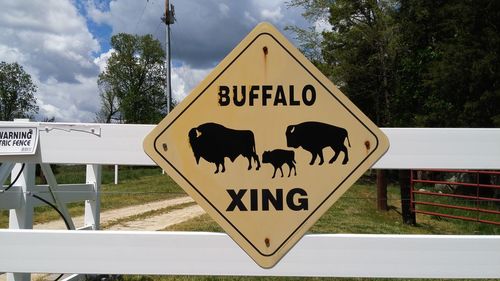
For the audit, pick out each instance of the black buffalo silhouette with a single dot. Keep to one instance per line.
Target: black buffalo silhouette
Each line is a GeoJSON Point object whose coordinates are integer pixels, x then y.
{"type": "Point", "coordinates": [278, 157]}
{"type": "Point", "coordinates": [214, 142]}
{"type": "Point", "coordinates": [314, 136]}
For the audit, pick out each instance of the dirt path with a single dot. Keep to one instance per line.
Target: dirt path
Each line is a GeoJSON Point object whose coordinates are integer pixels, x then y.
{"type": "Point", "coordinates": [111, 215]}
{"type": "Point", "coordinates": [162, 221]}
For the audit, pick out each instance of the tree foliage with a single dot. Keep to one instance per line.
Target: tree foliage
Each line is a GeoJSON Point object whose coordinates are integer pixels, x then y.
{"type": "Point", "coordinates": [360, 54]}
{"type": "Point", "coordinates": [453, 61]}
{"type": "Point", "coordinates": [308, 38]}
{"type": "Point", "coordinates": [431, 63]}
{"type": "Point", "coordinates": [132, 86]}
{"type": "Point", "coordinates": [17, 93]}
{"type": "Point", "coordinates": [110, 108]}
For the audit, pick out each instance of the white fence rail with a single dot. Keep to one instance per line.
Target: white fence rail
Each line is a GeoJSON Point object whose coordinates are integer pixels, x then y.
{"type": "Point", "coordinates": [216, 254]}
{"type": "Point", "coordinates": [411, 148]}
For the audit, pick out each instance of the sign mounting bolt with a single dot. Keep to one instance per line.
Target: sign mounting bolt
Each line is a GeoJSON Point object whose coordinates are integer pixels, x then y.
{"type": "Point", "coordinates": [268, 243]}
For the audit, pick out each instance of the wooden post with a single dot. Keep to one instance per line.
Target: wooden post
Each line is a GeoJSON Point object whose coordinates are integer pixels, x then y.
{"type": "Point", "coordinates": [382, 190]}
{"type": "Point", "coordinates": [93, 207]}
{"type": "Point", "coordinates": [406, 206]}
{"type": "Point", "coordinates": [22, 217]}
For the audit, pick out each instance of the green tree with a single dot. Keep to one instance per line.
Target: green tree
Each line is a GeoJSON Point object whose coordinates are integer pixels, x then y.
{"type": "Point", "coordinates": [110, 109]}
{"type": "Point", "coordinates": [17, 93]}
{"type": "Point", "coordinates": [309, 38]}
{"type": "Point", "coordinates": [451, 67]}
{"type": "Point", "coordinates": [430, 63]}
{"type": "Point", "coordinates": [360, 53]}
{"type": "Point", "coordinates": [132, 86]}
{"type": "Point", "coordinates": [416, 24]}
{"type": "Point", "coordinates": [465, 73]}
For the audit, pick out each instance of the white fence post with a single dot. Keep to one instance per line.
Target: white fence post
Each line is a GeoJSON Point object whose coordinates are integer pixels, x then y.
{"type": "Point", "coordinates": [22, 217]}
{"type": "Point", "coordinates": [5, 170]}
{"type": "Point", "coordinates": [51, 180]}
{"type": "Point", "coordinates": [116, 174]}
{"type": "Point", "coordinates": [93, 207]}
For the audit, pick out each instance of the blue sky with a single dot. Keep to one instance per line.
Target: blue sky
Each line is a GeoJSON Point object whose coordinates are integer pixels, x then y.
{"type": "Point", "coordinates": [101, 31]}
{"type": "Point", "coordinates": [64, 44]}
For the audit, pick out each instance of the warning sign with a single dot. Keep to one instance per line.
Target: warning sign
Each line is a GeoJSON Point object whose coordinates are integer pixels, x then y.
{"type": "Point", "coordinates": [18, 140]}
{"type": "Point", "coordinates": [266, 144]}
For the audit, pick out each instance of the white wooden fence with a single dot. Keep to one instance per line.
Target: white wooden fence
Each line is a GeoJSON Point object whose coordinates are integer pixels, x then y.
{"type": "Point", "coordinates": [135, 252]}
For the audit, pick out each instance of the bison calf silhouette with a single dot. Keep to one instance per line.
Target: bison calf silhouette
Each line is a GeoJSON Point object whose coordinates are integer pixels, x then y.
{"type": "Point", "coordinates": [278, 157]}
{"type": "Point", "coordinates": [314, 136]}
{"type": "Point", "coordinates": [214, 142]}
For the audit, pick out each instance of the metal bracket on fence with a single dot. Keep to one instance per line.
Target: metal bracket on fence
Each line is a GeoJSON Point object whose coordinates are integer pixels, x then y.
{"type": "Point", "coordinates": [92, 129]}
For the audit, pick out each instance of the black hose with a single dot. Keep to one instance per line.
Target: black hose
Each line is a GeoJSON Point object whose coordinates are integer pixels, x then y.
{"type": "Point", "coordinates": [53, 207]}
{"type": "Point", "coordinates": [17, 177]}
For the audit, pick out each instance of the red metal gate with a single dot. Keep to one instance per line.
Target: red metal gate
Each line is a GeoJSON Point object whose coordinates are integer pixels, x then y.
{"type": "Point", "coordinates": [469, 198]}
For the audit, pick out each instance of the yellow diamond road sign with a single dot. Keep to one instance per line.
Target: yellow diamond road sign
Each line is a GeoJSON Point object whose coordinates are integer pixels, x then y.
{"type": "Point", "coordinates": [265, 144]}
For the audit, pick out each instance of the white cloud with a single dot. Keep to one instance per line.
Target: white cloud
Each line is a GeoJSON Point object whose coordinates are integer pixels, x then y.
{"type": "Point", "coordinates": [185, 79]}
{"type": "Point", "coordinates": [69, 102]}
{"type": "Point", "coordinates": [273, 16]}
{"type": "Point", "coordinates": [205, 30]}
{"type": "Point", "coordinates": [250, 18]}
{"type": "Point", "coordinates": [132, 16]}
{"type": "Point", "coordinates": [96, 13]}
{"type": "Point", "coordinates": [102, 60]}
{"type": "Point", "coordinates": [224, 9]}
{"type": "Point", "coordinates": [322, 25]}
{"type": "Point", "coordinates": [53, 43]}
{"type": "Point", "coordinates": [50, 39]}
{"type": "Point", "coordinates": [47, 35]}
{"type": "Point", "coordinates": [51, 16]}
{"type": "Point", "coordinates": [11, 54]}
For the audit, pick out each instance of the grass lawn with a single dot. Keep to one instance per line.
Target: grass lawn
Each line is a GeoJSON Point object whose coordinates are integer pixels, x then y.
{"type": "Point", "coordinates": [356, 212]}
{"type": "Point", "coordinates": [137, 185]}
